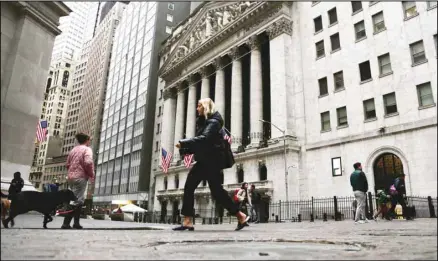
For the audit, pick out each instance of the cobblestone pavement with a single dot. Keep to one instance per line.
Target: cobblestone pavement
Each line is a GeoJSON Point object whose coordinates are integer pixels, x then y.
{"type": "Point", "coordinates": [288, 241]}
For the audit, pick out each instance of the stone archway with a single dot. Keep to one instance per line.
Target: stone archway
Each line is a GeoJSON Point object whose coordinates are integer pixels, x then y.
{"type": "Point", "coordinates": [375, 156]}
{"type": "Point", "coordinates": [386, 168]}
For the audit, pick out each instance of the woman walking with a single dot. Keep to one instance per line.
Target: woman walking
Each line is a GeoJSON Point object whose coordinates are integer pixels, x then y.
{"type": "Point", "coordinates": [80, 168]}
{"type": "Point", "coordinates": [208, 150]}
{"type": "Point", "coordinates": [244, 198]}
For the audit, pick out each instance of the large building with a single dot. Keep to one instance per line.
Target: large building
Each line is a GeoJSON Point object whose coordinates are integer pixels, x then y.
{"type": "Point", "coordinates": [96, 78]}
{"type": "Point", "coordinates": [123, 169]}
{"type": "Point", "coordinates": [340, 82]}
{"type": "Point", "coordinates": [28, 32]}
{"type": "Point", "coordinates": [77, 28]}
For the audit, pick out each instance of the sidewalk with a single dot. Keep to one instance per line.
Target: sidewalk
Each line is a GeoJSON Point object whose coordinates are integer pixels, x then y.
{"type": "Point", "coordinates": [320, 240]}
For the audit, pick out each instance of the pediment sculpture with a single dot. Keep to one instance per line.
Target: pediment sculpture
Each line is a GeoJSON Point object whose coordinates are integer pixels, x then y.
{"type": "Point", "coordinates": [211, 22]}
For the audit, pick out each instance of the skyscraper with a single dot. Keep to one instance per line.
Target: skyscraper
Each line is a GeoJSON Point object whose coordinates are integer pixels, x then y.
{"type": "Point", "coordinates": [124, 158]}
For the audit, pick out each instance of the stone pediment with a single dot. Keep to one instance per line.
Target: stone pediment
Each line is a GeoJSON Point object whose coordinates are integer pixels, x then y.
{"type": "Point", "coordinates": [211, 20]}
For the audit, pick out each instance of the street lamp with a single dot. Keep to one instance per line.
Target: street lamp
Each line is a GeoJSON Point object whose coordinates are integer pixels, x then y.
{"type": "Point", "coordinates": [284, 156]}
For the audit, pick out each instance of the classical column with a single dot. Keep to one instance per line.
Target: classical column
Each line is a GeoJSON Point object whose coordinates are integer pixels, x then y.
{"type": "Point", "coordinates": [281, 76]}
{"type": "Point", "coordinates": [219, 95]}
{"type": "Point", "coordinates": [205, 86]}
{"type": "Point", "coordinates": [236, 98]}
{"type": "Point", "coordinates": [256, 91]}
{"type": "Point", "coordinates": [168, 123]}
{"type": "Point", "coordinates": [191, 108]}
{"type": "Point", "coordinates": [179, 121]}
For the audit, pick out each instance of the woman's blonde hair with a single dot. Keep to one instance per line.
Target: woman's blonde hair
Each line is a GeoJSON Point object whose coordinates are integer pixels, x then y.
{"type": "Point", "coordinates": [209, 107]}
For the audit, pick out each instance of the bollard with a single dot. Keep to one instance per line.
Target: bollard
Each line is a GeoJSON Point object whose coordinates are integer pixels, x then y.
{"type": "Point", "coordinates": [324, 217]}
{"type": "Point", "coordinates": [280, 211]}
{"type": "Point", "coordinates": [335, 203]}
{"type": "Point", "coordinates": [370, 200]}
{"type": "Point", "coordinates": [299, 217]}
{"type": "Point", "coordinates": [276, 218]}
{"type": "Point", "coordinates": [431, 207]}
{"type": "Point", "coordinates": [311, 218]}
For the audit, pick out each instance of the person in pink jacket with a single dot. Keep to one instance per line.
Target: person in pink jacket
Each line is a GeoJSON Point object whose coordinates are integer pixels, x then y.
{"type": "Point", "coordinates": [80, 168]}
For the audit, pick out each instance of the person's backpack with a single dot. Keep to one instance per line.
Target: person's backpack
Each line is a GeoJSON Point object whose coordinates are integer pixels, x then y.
{"type": "Point", "coordinates": [235, 198]}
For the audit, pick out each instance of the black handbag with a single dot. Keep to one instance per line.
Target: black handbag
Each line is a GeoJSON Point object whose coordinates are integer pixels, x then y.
{"type": "Point", "coordinates": [227, 155]}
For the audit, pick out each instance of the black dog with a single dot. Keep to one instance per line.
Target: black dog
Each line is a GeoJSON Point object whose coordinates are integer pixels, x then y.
{"type": "Point", "coordinates": [43, 202]}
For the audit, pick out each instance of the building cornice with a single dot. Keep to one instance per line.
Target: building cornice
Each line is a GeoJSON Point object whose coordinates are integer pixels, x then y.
{"type": "Point", "coordinates": [254, 15]}
{"type": "Point", "coordinates": [46, 14]}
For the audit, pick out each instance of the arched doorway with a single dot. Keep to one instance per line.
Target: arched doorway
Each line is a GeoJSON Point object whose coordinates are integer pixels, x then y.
{"type": "Point", "coordinates": [387, 167]}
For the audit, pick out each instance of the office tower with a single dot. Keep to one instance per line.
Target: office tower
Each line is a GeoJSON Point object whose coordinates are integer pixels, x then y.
{"type": "Point", "coordinates": [124, 157]}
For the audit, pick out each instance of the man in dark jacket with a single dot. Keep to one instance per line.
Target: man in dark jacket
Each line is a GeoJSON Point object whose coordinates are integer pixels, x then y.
{"type": "Point", "coordinates": [255, 201]}
{"type": "Point", "coordinates": [16, 186]}
{"type": "Point", "coordinates": [359, 183]}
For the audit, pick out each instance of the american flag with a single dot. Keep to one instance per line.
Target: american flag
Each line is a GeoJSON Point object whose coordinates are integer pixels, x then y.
{"type": "Point", "coordinates": [166, 158]}
{"type": "Point", "coordinates": [41, 132]}
{"type": "Point", "coordinates": [188, 160]}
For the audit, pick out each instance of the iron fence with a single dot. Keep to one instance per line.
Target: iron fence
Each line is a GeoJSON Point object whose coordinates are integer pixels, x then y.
{"type": "Point", "coordinates": [325, 209]}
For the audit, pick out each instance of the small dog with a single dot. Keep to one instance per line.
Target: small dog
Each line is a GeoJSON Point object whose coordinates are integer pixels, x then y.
{"type": "Point", "coordinates": [43, 202]}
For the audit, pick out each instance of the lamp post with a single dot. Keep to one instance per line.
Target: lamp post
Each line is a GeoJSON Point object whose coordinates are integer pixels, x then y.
{"type": "Point", "coordinates": [284, 156]}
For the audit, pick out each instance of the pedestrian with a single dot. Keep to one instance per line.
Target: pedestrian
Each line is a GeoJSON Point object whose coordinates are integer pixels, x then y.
{"type": "Point", "coordinates": [255, 200]}
{"type": "Point", "coordinates": [244, 198]}
{"type": "Point", "coordinates": [359, 183]}
{"type": "Point", "coordinates": [210, 157]}
{"type": "Point", "coordinates": [16, 186]}
{"type": "Point", "coordinates": [382, 200]}
{"type": "Point", "coordinates": [80, 168]}
{"type": "Point", "coordinates": [398, 197]}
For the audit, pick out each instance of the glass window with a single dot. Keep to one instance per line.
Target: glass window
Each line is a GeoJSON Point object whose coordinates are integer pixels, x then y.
{"type": "Point", "coordinates": [342, 116]}
{"type": "Point", "coordinates": [390, 103]}
{"type": "Point", "coordinates": [356, 6]}
{"type": "Point", "coordinates": [333, 16]}
{"type": "Point", "coordinates": [169, 18]}
{"type": "Point", "coordinates": [425, 95]}
{"type": "Point", "coordinates": [318, 24]}
{"type": "Point", "coordinates": [369, 109]}
{"type": "Point", "coordinates": [365, 71]}
{"type": "Point", "coordinates": [325, 121]}
{"type": "Point", "coordinates": [320, 49]}
{"type": "Point", "coordinates": [168, 29]}
{"type": "Point", "coordinates": [417, 52]}
{"type": "Point", "coordinates": [335, 41]}
{"type": "Point", "coordinates": [339, 80]}
{"type": "Point", "coordinates": [409, 9]}
{"type": "Point", "coordinates": [323, 90]}
{"type": "Point", "coordinates": [359, 28]}
{"type": "Point", "coordinates": [336, 167]}
{"type": "Point", "coordinates": [378, 22]}
{"type": "Point", "coordinates": [385, 64]}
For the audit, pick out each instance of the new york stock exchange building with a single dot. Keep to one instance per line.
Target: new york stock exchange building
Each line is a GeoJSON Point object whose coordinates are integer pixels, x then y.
{"type": "Point", "coordinates": [303, 98]}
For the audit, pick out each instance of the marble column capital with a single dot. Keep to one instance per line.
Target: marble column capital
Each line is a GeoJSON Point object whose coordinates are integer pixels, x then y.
{"type": "Point", "coordinates": [234, 53]}
{"type": "Point", "coordinates": [169, 93]}
{"type": "Point", "coordinates": [191, 79]}
{"type": "Point", "coordinates": [204, 72]}
{"type": "Point", "coordinates": [281, 26]}
{"type": "Point", "coordinates": [218, 63]}
{"type": "Point", "coordinates": [253, 42]}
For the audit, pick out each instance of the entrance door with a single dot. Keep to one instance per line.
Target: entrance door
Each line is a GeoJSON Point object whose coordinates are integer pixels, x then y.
{"type": "Point", "coordinates": [163, 211]}
{"type": "Point", "coordinates": [387, 168]}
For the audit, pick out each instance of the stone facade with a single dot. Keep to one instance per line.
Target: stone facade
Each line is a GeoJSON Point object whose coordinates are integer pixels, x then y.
{"type": "Point", "coordinates": [27, 36]}
{"type": "Point", "coordinates": [227, 31]}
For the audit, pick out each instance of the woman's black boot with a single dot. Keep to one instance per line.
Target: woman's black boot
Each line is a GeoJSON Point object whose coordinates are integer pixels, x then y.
{"type": "Point", "coordinates": [66, 223]}
{"type": "Point", "coordinates": [77, 217]}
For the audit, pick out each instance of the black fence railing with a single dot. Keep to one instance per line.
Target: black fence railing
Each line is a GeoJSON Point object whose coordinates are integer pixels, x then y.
{"type": "Point", "coordinates": [325, 209]}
